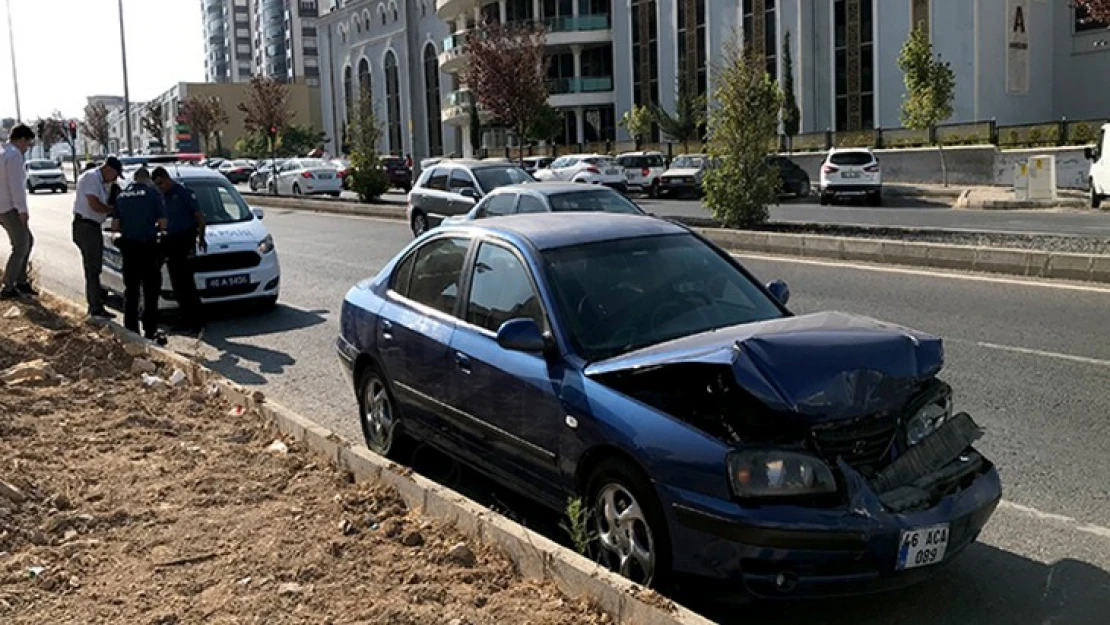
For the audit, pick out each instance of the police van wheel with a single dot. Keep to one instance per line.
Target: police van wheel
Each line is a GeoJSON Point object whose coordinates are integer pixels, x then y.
{"type": "Point", "coordinates": [268, 303]}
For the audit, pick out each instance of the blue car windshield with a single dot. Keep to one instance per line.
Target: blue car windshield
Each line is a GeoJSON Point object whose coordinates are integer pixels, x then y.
{"type": "Point", "coordinates": [620, 296]}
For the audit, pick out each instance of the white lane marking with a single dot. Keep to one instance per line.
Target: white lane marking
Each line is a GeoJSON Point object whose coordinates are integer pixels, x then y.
{"type": "Point", "coordinates": [1073, 523]}
{"type": "Point", "coordinates": [931, 273]}
{"type": "Point", "coordinates": [1038, 352]}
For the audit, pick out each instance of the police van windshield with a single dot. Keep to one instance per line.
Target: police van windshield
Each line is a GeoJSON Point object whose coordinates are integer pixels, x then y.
{"type": "Point", "coordinates": [220, 203]}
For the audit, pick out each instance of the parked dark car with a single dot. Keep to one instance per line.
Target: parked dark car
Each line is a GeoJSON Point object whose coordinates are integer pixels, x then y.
{"type": "Point", "coordinates": [711, 432]}
{"type": "Point", "coordinates": [400, 175]}
{"type": "Point", "coordinates": [549, 197]}
{"type": "Point", "coordinates": [238, 171]}
{"type": "Point", "coordinates": [453, 187]}
{"type": "Point", "coordinates": [259, 179]}
{"type": "Point", "coordinates": [795, 181]}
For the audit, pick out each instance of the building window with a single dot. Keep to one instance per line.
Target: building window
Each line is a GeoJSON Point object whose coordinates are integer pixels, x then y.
{"type": "Point", "coordinates": [760, 32]}
{"type": "Point", "coordinates": [347, 94]}
{"type": "Point", "coordinates": [691, 42]}
{"type": "Point", "coordinates": [599, 124]}
{"type": "Point", "coordinates": [1084, 24]}
{"type": "Point", "coordinates": [560, 8]}
{"type": "Point", "coordinates": [364, 85]}
{"type": "Point", "coordinates": [645, 57]}
{"type": "Point", "coordinates": [854, 59]}
{"type": "Point", "coordinates": [393, 104]}
{"type": "Point", "coordinates": [432, 101]}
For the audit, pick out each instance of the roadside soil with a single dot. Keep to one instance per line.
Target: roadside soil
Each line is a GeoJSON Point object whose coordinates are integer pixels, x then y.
{"type": "Point", "coordinates": [127, 503]}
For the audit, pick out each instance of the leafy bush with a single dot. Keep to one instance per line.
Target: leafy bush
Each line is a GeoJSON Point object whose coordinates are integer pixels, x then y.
{"type": "Point", "coordinates": [368, 179]}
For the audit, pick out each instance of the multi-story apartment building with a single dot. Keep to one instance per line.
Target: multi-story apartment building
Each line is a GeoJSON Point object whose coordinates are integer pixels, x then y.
{"type": "Point", "coordinates": [285, 41]}
{"type": "Point", "coordinates": [227, 40]}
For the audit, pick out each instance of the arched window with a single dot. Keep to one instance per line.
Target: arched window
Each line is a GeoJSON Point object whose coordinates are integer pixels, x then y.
{"type": "Point", "coordinates": [393, 104]}
{"type": "Point", "coordinates": [431, 100]}
{"type": "Point", "coordinates": [364, 78]}
{"type": "Point", "coordinates": [347, 95]}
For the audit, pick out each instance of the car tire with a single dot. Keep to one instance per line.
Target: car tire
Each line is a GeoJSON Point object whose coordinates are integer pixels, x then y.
{"type": "Point", "coordinates": [406, 188]}
{"type": "Point", "coordinates": [267, 303]}
{"type": "Point", "coordinates": [296, 189]}
{"type": "Point", "coordinates": [378, 414]}
{"type": "Point", "coordinates": [653, 190]}
{"type": "Point", "coordinates": [875, 198]}
{"type": "Point", "coordinates": [334, 193]}
{"type": "Point", "coordinates": [252, 184]}
{"type": "Point", "coordinates": [824, 198]}
{"type": "Point", "coordinates": [1096, 198]}
{"type": "Point", "coordinates": [804, 190]}
{"type": "Point", "coordinates": [419, 223]}
{"type": "Point", "coordinates": [624, 486]}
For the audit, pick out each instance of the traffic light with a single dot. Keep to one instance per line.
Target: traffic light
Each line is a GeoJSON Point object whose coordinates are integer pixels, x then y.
{"type": "Point", "coordinates": [39, 128]}
{"type": "Point", "coordinates": [73, 129]}
{"type": "Point", "coordinates": [273, 131]}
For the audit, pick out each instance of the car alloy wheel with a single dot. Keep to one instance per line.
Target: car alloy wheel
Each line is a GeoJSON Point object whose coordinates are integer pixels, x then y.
{"type": "Point", "coordinates": [626, 542]}
{"type": "Point", "coordinates": [419, 224]}
{"type": "Point", "coordinates": [377, 416]}
{"type": "Point", "coordinates": [1096, 199]}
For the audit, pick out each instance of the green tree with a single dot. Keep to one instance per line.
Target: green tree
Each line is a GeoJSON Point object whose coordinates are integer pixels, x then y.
{"type": "Point", "coordinates": [364, 135]}
{"type": "Point", "coordinates": [688, 122]}
{"type": "Point", "coordinates": [153, 122]}
{"type": "Point", "coordinates": [547, 123]}
{"type": "Point", "coordinates": [205, 115]}
{"type": "Point", "coordinates": [742, 127]}
{"type": "Point", "coordinates": [293, 140]}
{"type": "Point", "coordinates": [96, 126]}
{"type": "Point", "coordinates": [475, 130]}
{"type": "Point", "coordinates": [930, 88]}
{"type": "Point", "coordinates": [1096, 10]}
{"type": "Point", "coordinates": [791, 115]}
{"type": "Point", "coordinates": [637, 122]}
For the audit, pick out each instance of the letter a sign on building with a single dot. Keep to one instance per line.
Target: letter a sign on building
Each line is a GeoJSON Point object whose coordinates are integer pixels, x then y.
{"type": "Point", "coordinates": [1017, 46]}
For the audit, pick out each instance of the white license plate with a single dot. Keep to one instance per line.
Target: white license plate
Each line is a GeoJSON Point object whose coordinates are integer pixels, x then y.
{"type": "Point", "coordinates": [612, 172]}
{"type": "Point", "coordinates": [922, 547]}
{"type": "Point", "coordinates": [325, 176]}
{"type": "Point", "coordinates": [850, 175]}
{"type": "Point", "coordinates": [228, 281]}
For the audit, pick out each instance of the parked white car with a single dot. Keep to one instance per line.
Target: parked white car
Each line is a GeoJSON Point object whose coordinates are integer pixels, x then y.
{"type": "Point", "coordinates": [307, 176]}
{"type": "Point", "coordinates": [642, 170]}
{"type": "Point", "coordinates": [44, 174]}
{"type": "Point", "coordinates": [1099, 180]}
{"type": "Point", "coordinates": [851, 172]}
{"type": "Point", "coordinates": [585, 168]}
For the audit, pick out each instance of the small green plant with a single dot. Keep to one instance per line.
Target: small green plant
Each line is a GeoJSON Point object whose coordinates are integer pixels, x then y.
{"type": "Point", "coordinates": [365, 133]}
{"type": "Point", "coordinates": [637, 122]}
{"type": "Point", "coordinates": [577, 525]}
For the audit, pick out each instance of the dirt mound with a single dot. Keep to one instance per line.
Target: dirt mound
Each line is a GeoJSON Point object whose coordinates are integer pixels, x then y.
{"type": "Point", "coordinates": [127, 503]}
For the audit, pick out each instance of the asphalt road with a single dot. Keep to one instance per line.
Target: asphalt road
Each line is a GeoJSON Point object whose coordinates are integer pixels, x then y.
{"type": "Point", "coordinates": [1030, 361]}
{"type": "Point", "coordinates": [897, 211]}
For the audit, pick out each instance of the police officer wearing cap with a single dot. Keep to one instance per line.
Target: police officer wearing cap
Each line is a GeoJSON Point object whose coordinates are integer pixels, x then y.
{"type": "Point", "coordinates": [139, 215]}
{"type": "Point", "coordinates": [90, 209]}
{"type": "Point", "coordinates": [185, 231]}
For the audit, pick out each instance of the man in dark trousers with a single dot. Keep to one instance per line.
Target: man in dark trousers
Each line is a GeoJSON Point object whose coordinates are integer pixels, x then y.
{"type": "Point", "coordinates": [184, 236]}
{"type": "Point", "coordinates": [138, 217]}
{"type": "Point", "coordinates": [90, 209]}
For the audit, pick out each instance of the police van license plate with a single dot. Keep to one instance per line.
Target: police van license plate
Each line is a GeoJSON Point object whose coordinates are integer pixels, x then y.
{"type": "Point", "coordinates": [922, 547]}
{"type": "Point", "coordinates": [224, 282]}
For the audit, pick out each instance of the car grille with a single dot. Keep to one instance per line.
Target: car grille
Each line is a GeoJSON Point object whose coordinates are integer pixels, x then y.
{"type": "Point", "coordinates": [864, 444]}
{"type": "Point", "coordinates": [226, 262]}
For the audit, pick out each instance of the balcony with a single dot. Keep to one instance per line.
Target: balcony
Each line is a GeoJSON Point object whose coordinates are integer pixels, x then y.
{"type": "Point", "coordinates": [574, 24]}
{"type": "Point", "coordinates": [448, 10]}
{"type": "Point", "coordinates": [457, 106]}
{"type": "Point", "coordinates": [453, 58]}
{"type": "Point", "coordinates": [580, 91]}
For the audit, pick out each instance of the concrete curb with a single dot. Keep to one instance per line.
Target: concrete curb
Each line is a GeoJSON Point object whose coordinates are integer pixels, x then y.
{"type": "Point", "coordinates": [535, 556]}
{"type": "Point", "coordinates": [335, 207]}
{"type": "Point", "coordinates": [967, 201]}
{"type": "Point", "coordinates": [1015, 262]}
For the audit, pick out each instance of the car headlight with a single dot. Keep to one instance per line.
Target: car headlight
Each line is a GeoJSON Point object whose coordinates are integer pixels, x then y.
{"type": "Point", "coordinates": [266, 245]}
{"type": "Point", "coordinates": [771, 473]}
{"type": "Point", "coordinates": [926, 421]}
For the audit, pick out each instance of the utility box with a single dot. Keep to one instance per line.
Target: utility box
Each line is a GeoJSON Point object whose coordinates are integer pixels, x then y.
{"type": "Point", "coordinates": [1021, 181]}
{"type": "Point", "coordinates": [1042, 178]}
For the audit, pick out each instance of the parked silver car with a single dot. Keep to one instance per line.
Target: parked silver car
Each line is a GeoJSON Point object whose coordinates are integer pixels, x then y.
{"type": "Point", "coordinates": [454, 187]}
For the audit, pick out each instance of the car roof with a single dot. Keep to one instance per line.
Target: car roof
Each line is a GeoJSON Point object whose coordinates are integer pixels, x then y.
{"type": "Point", "coordinates": [640, 153]}
{"type": "Point", "coordinates": [549, 188]}
{"type": "Point", "coordinates": [473, 164]}
{"type": "Point", "coordinates": [553, 230]}
{"type": "Point", "coordinates": [843, 150]}
{"type": "Point", "coordinates": [193, 172]}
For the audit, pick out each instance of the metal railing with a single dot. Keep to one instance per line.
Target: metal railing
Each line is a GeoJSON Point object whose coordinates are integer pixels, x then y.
{"type": "Point", "coordinates": [581, 84]}
{"type": "Point", "coordinates": [1060, 133]}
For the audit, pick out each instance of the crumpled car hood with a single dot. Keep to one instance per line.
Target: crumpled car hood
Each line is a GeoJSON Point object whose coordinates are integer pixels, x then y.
{"type": "Point", "coordinates": [825, 366]}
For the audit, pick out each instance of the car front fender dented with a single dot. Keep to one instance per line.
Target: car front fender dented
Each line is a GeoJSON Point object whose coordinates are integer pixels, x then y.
{"type": "Point", "coordinates": [930, 455]}
{"type": "Point", "coordinates": [861, 498]}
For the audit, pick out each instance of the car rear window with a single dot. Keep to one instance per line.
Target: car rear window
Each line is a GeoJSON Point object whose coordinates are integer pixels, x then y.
{"type": "Point", "coordinates": [393, 162]}
{"type": "Point", "coordinates": [490, 178]}
{"type": "Point", "coordinates": [594, 200]}
{"type": "Point", "coordinates": [650, 160]}
{"type": "Point", "coordinates": [851, 158]}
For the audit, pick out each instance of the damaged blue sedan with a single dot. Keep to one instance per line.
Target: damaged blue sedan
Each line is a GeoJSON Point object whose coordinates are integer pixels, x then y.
{"type": "Point", "coordinates": [712, 433]}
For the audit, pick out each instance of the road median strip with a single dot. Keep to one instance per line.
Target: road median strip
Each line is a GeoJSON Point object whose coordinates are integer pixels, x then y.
{"type": "Point", "coordinates": [535, 556]}
{"type": "Point", "coordinates": [1015, 262]}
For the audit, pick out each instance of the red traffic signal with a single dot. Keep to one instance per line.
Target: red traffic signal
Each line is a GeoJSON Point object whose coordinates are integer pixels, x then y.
{"type": "Point", "coordinates": [273, 130]}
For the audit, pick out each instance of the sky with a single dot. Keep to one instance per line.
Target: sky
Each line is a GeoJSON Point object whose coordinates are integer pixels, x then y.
{"type": "Point", "coordinates": [66, 50]}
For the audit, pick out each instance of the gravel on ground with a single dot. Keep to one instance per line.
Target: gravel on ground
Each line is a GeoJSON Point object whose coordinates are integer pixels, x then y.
{"type": "Point", "coordinates": [125, 498]}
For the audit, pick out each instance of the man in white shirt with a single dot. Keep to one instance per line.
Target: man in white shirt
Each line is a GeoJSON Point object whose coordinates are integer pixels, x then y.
{"type": "Point", "coordinates": [90, 209]}
{"type": "Point", "coordinates": [13, 212]}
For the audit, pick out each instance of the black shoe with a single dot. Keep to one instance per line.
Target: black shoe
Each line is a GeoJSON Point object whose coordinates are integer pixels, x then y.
{"type": "Point", "coordinates": [159, 338]}
{"type": "Point", "coordinates": [26, 289]}
{"type": "Point", "coordinates": [10, 292]}
{"type": "Point", "coordinates": [103, 314]}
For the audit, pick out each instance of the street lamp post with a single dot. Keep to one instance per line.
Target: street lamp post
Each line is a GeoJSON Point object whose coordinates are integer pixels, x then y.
{"type": "Point", "coordinates": [15, 79]}
{"type": "Point", "coordinates": [126, 93]}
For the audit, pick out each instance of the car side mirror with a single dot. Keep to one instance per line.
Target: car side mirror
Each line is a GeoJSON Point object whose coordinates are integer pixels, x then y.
{"type": "Point", "coordinates": [521, 335]}
{"type": "Point", "coordinates": [258, 213]}
{"type": "Point", "coordinates": [780, 291]}
{"type": "Point", "coordinates": [469, 192]}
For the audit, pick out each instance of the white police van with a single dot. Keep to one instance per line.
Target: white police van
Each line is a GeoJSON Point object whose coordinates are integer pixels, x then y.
{"type": "Point", "coordinates": [241, 263]}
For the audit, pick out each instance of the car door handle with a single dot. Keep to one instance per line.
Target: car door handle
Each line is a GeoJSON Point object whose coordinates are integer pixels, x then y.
{"type": "Point", "coordinates": [462, 361]}
{"type": "Point", "coordinates": [387, 331]}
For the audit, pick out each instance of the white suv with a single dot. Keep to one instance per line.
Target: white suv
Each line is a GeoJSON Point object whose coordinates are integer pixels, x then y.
{"type": "Point", "coordinates": [585, 168]}
{"type": "Point", "coordinates": [1099, 179]}
{"type": "Point", "coordinates": [642, 170]}
{"type": "Point", "coordinates": [851, 172]}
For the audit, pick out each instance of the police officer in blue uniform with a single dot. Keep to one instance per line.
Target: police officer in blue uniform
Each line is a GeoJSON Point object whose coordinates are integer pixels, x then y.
{"type": "Point", "coordinates": [138, 216]}
{"type": "Point", "coordinates": [184, 236]}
